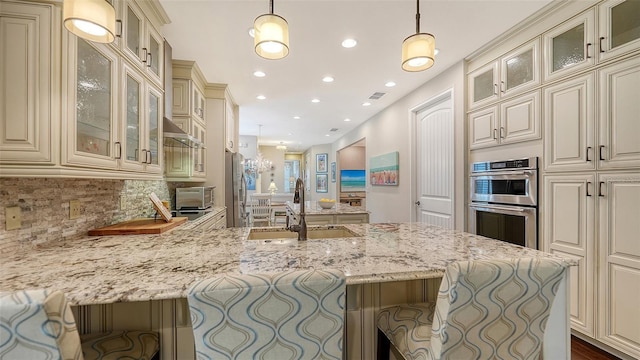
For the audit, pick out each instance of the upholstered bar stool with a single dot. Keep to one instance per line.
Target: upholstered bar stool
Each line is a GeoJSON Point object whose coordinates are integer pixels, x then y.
{"type": "Point", "coordinates": [494, 309]}
{"type": "Point", "coordinates": [39, 324]}
{"type": "Point", "coordinates": [296, 315]}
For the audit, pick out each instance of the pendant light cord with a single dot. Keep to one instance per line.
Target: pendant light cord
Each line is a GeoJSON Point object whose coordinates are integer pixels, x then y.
{"type": "Point", "coordinates": [417, 16]}
{"type": "Point", "coordinates": [271, 6]}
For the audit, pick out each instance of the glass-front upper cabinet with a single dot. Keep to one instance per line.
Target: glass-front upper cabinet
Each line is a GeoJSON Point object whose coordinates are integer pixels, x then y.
{"type": "Point", "coordinates": [133, 152]}
{"type": "Point", "coordinates": [142, 43]}
{"type": "Point", "coordinates": [570, 46]}
{"type": "Point", "coordinates": [619, 28]}
{"type": "Point", "coordinates": [92, 136]}
{"type": "Point", "coordinates": [512, 73]}
{"type": "Point", "coordinates": [154, 130]}
{"type": "Point", "coordinates": [133, 33]}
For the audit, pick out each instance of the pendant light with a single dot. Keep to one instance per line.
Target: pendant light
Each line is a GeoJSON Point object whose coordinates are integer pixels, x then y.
{"type": "Point", "coordinates": [94, 20]}
{"type": "Point", "coordinates": [418, 49]}
{"type": "Point", "coordinates": [271, 35]}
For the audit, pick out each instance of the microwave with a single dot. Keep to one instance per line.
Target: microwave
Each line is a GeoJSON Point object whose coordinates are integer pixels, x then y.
{"type": "Point", "coordinates": [199, 197]}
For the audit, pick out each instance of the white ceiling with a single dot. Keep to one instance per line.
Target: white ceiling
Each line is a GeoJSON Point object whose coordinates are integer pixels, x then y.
{"type": "Point", "coordinates": [214, 33]}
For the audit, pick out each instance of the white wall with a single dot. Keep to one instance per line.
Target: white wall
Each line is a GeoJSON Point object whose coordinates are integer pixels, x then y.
{"type": "Point", "coordinates": [389, 130]}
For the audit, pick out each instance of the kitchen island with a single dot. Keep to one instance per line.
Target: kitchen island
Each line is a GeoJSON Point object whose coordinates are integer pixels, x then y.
{"type": "Point", "coordinates": [339, 214]}
{"type": "Point", "coordinates": [149, 275]}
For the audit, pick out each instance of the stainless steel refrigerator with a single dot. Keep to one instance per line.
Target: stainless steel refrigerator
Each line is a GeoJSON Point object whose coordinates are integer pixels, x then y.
{"type": "Point", "coordinates": [235, 197]}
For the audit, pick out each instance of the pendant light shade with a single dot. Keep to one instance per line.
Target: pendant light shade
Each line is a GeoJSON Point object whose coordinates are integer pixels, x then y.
{"type": "Point", "coordinates": [418, 50]}
{"type": "Point", "coordinates": [94, 20]}
{"type": "Point", "coordinates": [271, 35]}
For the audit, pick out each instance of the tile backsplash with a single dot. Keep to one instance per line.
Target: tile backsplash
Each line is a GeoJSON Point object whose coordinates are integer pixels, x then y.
{"type": "Point", "coordinates": [44, 205]}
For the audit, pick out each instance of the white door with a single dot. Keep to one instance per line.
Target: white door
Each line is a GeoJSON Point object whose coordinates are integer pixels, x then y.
{"type": "Point", "coordinates": [434, 162]}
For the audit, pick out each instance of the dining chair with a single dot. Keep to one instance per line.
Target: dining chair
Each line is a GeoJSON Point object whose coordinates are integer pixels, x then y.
{"type": "Point", "coordinates": [296, 315]}
{"type": "Point", "coordinates": [39, 324]}
{"type": "Point", "coordinates": [261, 209]}
{"type": "Point", "coordinates": [486, 309]}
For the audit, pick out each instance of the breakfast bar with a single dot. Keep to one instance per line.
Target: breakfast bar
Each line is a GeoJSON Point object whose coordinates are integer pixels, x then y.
{"type": "Point", "coordinates": [383, 263]}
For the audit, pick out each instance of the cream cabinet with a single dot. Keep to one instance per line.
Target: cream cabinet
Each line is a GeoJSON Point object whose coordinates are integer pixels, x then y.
{"type": "Point", "coordinates": [141, 42]}
{"type": "Point", "coordinates": [188, 84]}
{"type": "Point", "coordinates": [511, 121]}
{"type": "Point", "coordinates": [222, 113]}
{"type": "Point", "coordinates": [569, 125]}
{"type": "Point", "coordinates": [182, 162]}
{"type": "Point", "coordinates": [569, 219]}
{"type": "Point", "coordinates": [513, 73]}
{"type": "Point", "coordinates": [619, 261]}
{"type": "Point", "coordinates": [114, 114]}
{"type": "Point", "coordinates": [618, 28]}
{"type": "Point", "coordinates": [29, 95]}
{"type": "Point", "coordinates": [571, 46]}
{"type": "Point", "coordinates": [230, 127]}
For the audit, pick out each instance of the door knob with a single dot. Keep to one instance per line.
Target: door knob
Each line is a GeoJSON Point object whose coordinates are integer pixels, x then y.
{"type": "Point", "coordinates": [417, 202]}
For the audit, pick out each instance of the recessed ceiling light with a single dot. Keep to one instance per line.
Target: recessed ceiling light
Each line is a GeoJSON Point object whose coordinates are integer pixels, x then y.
{"type": "Point", "coordinates": [261, 97]}
{"type": "Point", "coordinates": [347, 119]}
{"type": "Point", "coordinates": [390, 84]}
{"type": "Point", "coordinates": [366, 103]}
{"type": "Point", "coordinates": [296, 117]}
{"type": "Point", "coordinates": [259, 73]}
{"type": "Point", "coordinates": [290, 134]}
{"type": "Point", "coordinates": [349, 43]}
{"type": "Point", "coordinates": [315, 101]}
{"type": "Point", "coordinates": [252, 32]}
{"type": "Point", "coordinates": [327, 79]}
{"type": "Point", "coordinates": [327, 135]}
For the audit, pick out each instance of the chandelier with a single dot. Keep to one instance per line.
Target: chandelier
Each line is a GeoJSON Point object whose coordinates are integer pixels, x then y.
{"type": "Point", "coordinates": [260, 164]}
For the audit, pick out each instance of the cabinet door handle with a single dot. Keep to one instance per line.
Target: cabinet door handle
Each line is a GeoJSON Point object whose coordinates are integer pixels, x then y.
{"type": "Point", "coordinates": [119, 156]}
{"type": "Point", "coordinates": [588, 183]}
{"type": "Point", "coordinates": [144, 151]}
{"type": "Point", "coordinates": [150, 58]}
{"type": "Point", "coordinates": [501, 132]}
{"type": "Point", "coordinates": [495, 134]}
{"type": "Point", "coordinates": [146, 55]}
{"type": "Point", "coordinates": [495, 89]}
{"type": "Point", "coordinates": [600, 188]}
{"type": "Point", "coordinates": [586, 51]}
{"type": "Point", "coordinates": [150, 157]}
{"type": "Point", "coordinates": [119, 33]}
{"type": "Point", "coordinates": [502, 87]}
{"type": "Point", "coordinates": [601, 48]}
{"type": "Point", "coordinates": [600, 152]}
{"type": "Point", "coordinates": [588, 149]}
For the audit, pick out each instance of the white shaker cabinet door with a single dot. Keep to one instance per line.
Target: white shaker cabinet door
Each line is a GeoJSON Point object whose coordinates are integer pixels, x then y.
{"type": "Point", "coordinates": [483, 130]}
{"type": "Point", "coordinates": [520, 119]}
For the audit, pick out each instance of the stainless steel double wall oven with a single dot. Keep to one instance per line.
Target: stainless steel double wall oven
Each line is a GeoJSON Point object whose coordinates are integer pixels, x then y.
{"type": "Point", "coordinates": [504, 200]}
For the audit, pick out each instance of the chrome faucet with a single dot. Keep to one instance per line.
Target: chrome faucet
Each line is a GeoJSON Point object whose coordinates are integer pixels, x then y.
{"type": "Point", "coordinates": [300, 228]}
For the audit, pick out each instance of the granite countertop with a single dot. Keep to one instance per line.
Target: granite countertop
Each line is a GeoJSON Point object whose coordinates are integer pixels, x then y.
{"type": "Point", "coordinates": [313, 208]}
{"type": "Point", "coordinates": [107, 269]}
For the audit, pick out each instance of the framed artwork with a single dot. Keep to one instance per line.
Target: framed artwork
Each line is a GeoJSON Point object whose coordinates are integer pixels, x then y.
{"type": "Point", "coordinates": [322, 185]}
{"type": "Point", "coordinates": [321, 163]}
{"type": "Point", "coordinates": [250, 176]}
{"type": "Point", "coordinates": [333, 172]}
{"type": "Point", "coordinates": [384, 169]}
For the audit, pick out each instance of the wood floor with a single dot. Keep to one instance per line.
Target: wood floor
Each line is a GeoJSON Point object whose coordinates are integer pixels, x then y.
{"type": "Point", "coordinates": [581, 350]}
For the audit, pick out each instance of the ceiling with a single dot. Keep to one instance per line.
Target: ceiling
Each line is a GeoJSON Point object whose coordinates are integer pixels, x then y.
{"type": "Point", "coordinates": [214, 33]}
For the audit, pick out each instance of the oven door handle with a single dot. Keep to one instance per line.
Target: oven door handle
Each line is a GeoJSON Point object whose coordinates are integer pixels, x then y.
{"type": "Point", "coordinates": [500, 173]}
{"type": "Point", "coordinates": [494, 207]}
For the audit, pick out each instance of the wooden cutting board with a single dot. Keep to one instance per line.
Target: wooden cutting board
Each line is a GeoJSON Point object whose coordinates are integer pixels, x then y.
{"type": "Point", "coordinates": [139, 226]}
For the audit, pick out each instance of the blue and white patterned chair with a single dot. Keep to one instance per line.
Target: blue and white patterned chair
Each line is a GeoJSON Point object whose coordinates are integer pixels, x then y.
{"type": "Point", "coordinates": [297, 315]}
{"type": "Point", "coordinates": [39, 324]}
{"type": "Point", "coordinates": [495, 309]}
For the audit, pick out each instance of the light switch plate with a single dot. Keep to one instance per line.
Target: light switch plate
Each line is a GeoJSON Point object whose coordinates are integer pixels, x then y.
{"type": "Point", "coordinates": [74, 209]}
{"type": "Point", "coordinates": [13, 217]}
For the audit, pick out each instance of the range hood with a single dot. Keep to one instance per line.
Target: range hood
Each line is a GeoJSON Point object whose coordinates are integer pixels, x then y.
{"type": "Point", "coordinates": [174, 136]}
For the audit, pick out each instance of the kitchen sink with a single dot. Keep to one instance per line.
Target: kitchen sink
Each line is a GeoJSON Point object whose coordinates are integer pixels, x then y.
{"type": "Point", "coordinates": [313, 232]}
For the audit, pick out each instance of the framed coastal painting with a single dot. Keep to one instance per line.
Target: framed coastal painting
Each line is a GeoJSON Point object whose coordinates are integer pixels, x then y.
{"type": "Point", "coordinates": [321, 163]}
{"type": "Point", "coordinates": [333, 172]}
{"type": "Point", "coordinates": [322, 181]}
{"type": "Point", "coordinates": [384, 169]}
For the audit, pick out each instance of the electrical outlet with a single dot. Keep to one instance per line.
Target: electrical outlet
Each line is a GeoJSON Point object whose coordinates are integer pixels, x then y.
{"type": "Point", "coordinates": [13, 217]}
{"type": "Point", "coordinates": [74, 209]}
{"type": "Point", "coordinates": [123, 203]}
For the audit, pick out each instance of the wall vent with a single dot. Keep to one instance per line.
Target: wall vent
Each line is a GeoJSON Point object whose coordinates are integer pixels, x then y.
{"type": "Point", "coordinates": [376, 95]}
{"type": "Point", "coordinates": [333, 129]}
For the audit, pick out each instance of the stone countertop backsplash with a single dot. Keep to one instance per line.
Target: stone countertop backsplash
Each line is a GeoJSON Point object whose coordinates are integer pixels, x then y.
{"type": "Point", "coordinates": [108, 269]}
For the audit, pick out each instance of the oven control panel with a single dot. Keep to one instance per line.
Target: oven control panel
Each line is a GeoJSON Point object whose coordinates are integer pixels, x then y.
{"type": "Point", "coordinates": [528, 163]}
